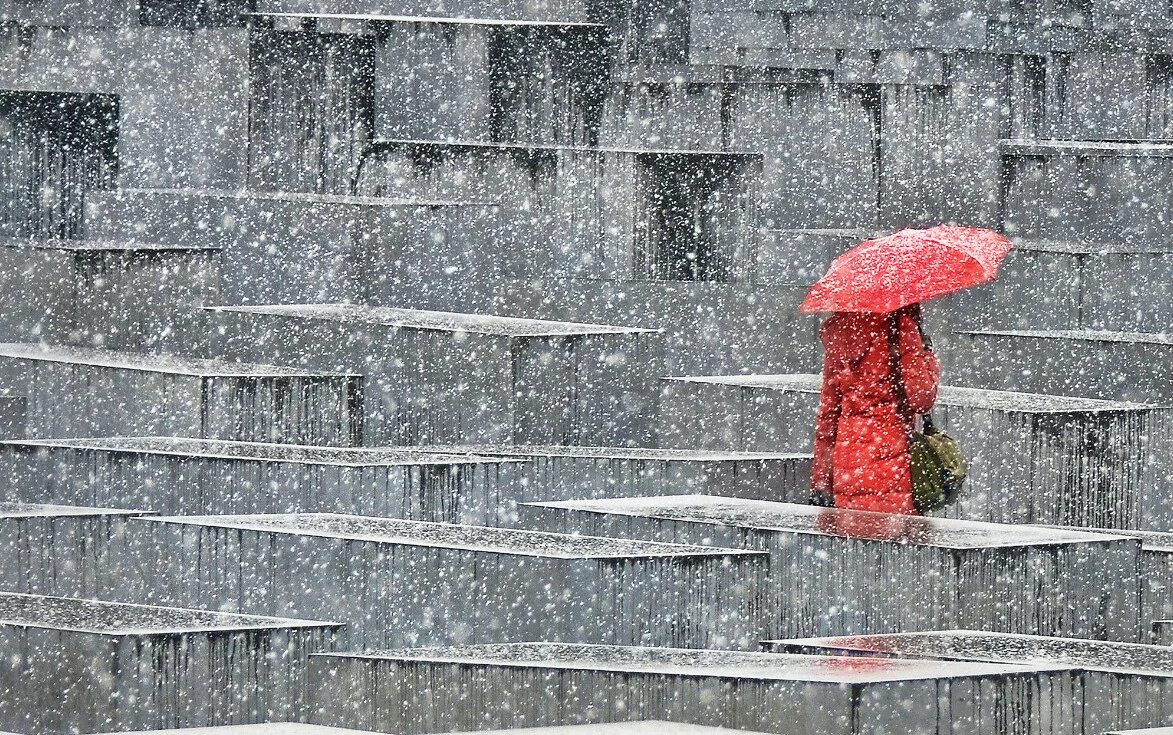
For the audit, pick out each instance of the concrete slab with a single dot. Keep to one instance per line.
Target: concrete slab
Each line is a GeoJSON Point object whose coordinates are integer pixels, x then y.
{"type": "Point", "coordinates": [1125, 684]}
{"type": "Point", "coordinates": [717, 688]}
{"type": "Point", "coordinates": [832, 569]}
{"type": "Point", "coordinates": [396, 582]}
{"type": "Point", "coordinates": [75, 391]}
{"type": "Point", "coordinates": [72, 664]}
{"type": "Point", "coordinates": [198, 476]}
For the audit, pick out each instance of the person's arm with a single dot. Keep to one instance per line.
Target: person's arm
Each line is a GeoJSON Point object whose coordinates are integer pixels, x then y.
{"type": "Point", "coordinates": [919, 367]}
{"type": "Point", "coordinates": [825, 426]}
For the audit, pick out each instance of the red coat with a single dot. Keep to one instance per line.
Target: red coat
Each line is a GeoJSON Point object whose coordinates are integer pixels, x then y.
{"type": "Point", "coordinates": [861, 439]}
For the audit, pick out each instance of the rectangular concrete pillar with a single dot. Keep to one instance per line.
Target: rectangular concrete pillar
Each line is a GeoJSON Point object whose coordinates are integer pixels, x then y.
{"type": "Point", "coordinates": [387, 692]}
{"type": "Point", "coordinates": [842, 570]}
{"type": "Point", "coordinates": [204, 477]}
{"type": "Point", "coordinates": [85, 665]}
{"type": "Point", "coordinates": [396, 582]}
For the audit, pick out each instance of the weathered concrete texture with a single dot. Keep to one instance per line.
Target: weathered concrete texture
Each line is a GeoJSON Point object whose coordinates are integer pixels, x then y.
{"type": "Point", "coordinates": [88, 666]}
{"type": "Point", "coordinates": [507, 82]}
{"type": "Point", "coordinates": [705, 327]}
{"type": "Point", "coordinates": [53, 149]}
{"type": "Point", "coordinates": [1103, 191]}
{"type": "Point", "coordinates": [396, 582]}
{"type": "Point", "coordinates": [12, 417]}
{"type": "Point", "coordinates": [111, 294]}
{"type": "Point", "coordinates": [440, 377]}
{"type": "Point", "coordinates": [564, 473]}
{"type": "Point", "coordinates": [939, 160]}
{"type": "Point", "coordinates": [601, 213]}
{"type": "Point", "coordinates": [291, 248]}
{"type": "Point", "coordinates": [69, 13]}
{"type": "Point", "coordinates": [1078, 461]}
{"type": "Point", "coordinates": [74, 391]}
{"type": "Point", "coordinates": [1131, 366]}
{"type": "Point", "coordinates": [1123, 684]}
{"type": "Point", "coordinates": [537, 10]}
{"type": "Point", "coordinates": [841, 570]}
{"type": "Point", "coordinates": [311, 113]}
{"type": "Point", "coordinates": [427, 690]}
{"type": "Point", "coordinates": [46, 547]}
{"type": "Point", "coordinates": [1162, 629]}
{"type": "Point", "coordinates": [822, 157]}
{"type": "Point", "coordinates": [197, 138]}
{"type": "Point", "coordinates": [1075, 285]}
{"type": "Point", "coordinates": [801, 256]}
{"type": "Point", "coordinates": [640, 727]}
{"type": "Point", "coordinates": [195, 476]}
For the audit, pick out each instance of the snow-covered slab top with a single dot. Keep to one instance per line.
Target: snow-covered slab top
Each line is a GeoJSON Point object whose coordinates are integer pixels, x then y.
{"type": "Point", "coordinates": [265, 728]}
{"type": "Point", "coordinates": [697, 663]}
{"type": "Point", "coordinates": [43, 510]}
{"type": "Point", "coordinates": [638, 727]}
{"type": "Point", "coordinates": [766, 515]}
{"type": "Point", "coordinates": [969, 645]}
{"type": "Point", "coordinates": [97, 245]}
{"type": "Point", "coordinates": [395, 142]}
{"type": "Point", "coordinates": [170, 364]}
{"type": "Point", "coordinates": [633, 453]}
{"type": "Point", "coordinates": [1025, 147]}
{"type": "Point", "coordinates": [1157, 541]}
{"type": "Point", "coordinates": [1081, 335]}
{"type": "Point", "coordinates": [1145, 731]}
{"type": "Point", "coordinates": [994, 400]}
{"type": "Point", "coordinates": [439, 321]}
{"type": "Point", "coordinates": [486, 539]}
{"type": "Point", "coordinates": [431, 19]}
{"type": "Point", "coordinates": [1076, 247]}
{"type": "Point", "coordinates": [259, 452]}
{"type": "Point", "coordinates": [301, 197]}
{"type": "Point", "coordinates": [828, 232]}
{"type": "Point", "coordinates": [122, 619]}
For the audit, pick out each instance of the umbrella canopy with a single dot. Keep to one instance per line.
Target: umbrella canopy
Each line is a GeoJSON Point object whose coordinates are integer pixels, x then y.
{"type": "Point", "coordinates": [907, 267]}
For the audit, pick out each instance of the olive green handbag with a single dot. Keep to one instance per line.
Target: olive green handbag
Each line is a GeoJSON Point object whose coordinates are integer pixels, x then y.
{"type": "Point", "coordinates": [938, 464]}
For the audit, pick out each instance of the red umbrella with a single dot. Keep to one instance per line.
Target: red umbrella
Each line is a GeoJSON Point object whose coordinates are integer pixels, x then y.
{"type": "Point", "coordinates": [910, 266]}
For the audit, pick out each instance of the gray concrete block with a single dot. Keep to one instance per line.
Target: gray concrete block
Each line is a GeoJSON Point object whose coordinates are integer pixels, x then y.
{"type": "Point", "coordinates": [524, 83]}
{"type": "Point", "coordinates": [731, 689]}
{"type": "Point", "coordinates": [829, 568]}
{"type": "Point", "coordinates": [802, 256]}
{"type": "Point", "coordinates": [835, 30]}
{"type": "Point", "coordinates": [566, 473]}
{"type": "Point", "coordinates": [396, 582]}
{"type": "Point", "coordinates": [117, 295]}
{"type": "Point", "coordinates": [69, 13]}
{"type": "Point", "coordinates": [49, 548]}
{"type": "Point", "coordinates": [207, 477]}
{"type": "Point", "coordinates": [83, 392]}
{"type": "Point", "coordinates": [1124, 685]}
{"type": "Point", "coordinates": [1108, 192]}
{"type": "Point", "coordinates": [939, 156]}
{"type": "Point", "coordinates": [198, 138]}
{"type": "Point", "coordinates": [820, 164]}
{"type": "Point", "coordinates": [86, 665]}
{"type": "Point", "coordinates": [1129, 366]}
{"type": "Point", "coordinates": [441, 377]}
{"type": "Point", "coordinates": [56, 148]}
{"type": "Point", "coordinates": [293, 247]}
{"type": "Point", "coordinates": [603, 213]}
{"type": "Point", "coordinates": [1077, 461]}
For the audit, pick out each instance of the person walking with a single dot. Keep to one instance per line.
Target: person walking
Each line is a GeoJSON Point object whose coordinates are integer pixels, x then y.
{"type": "Point", "coordinates": [879, 374]}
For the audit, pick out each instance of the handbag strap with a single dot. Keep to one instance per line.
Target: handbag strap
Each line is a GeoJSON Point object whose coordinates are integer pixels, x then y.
{"type": "Point", "coordinates": [906, 412]}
